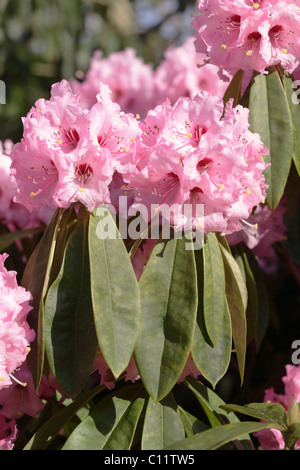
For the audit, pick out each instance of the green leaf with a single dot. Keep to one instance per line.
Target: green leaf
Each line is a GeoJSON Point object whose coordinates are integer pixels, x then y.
{"type": "Point", "coordinates": [112, 423]}
{"type": "Point", "coordinates": [252, 305]}
{"type": "Point", "coordinates": [162, 424]}
{"type": "Point", "coordinates": [270, 117]}
{"type": "Point", "coordinates": [236, 294]}
{"type": "Point", "coordinates": [49, 430]}
{"type": "Point", "coordinates": [262, 317]}
{"type": "Point", "coordinates": [168, 289]}
{"type": "Point", "coordinates": [295, 115]}
{"type": "Point", "coordinates": [234, 88]}
{"type": "Point", "coordinates": [215, 438]}
{"type": "Point", "coordinates": [213, 361]}
{"type": "Point", "coordinates": [115, 292]}
{"type": "Point", "coordinates": [272, 413]}
{"type": "Point", "coordinates": [213, 290]}
{"type": "Point", "coordinates": [212, 405]}
{"type": "Point", "coordinates": [36, 280]}
{"type": "Point", "coordinates": [191, 424]}
{"type": "Point", "coordinates": [70, 337]}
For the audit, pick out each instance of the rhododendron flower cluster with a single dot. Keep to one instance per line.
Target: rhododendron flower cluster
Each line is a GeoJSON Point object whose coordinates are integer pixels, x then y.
{"type": "Point", "coordinates": [185, 154]}
{"type": "Point", "coordinates": [69, 154]}
{"type": "Point", "coordinates": [137, 87]}
{"type": "Point", "coordinates": [190, 156]}
{"type": "Point", "coordinates": [179, 74]}
{"type": "Point", "coordinates": [15, 215]}
{"type": "Point", "coordinates": [246, 34]}
{"type": "Point", "coordinates": [129, 78]}
{"type": "Point", "coordinates": [15, 333]}
{"type": "Point", "coordinates": [272, 439]}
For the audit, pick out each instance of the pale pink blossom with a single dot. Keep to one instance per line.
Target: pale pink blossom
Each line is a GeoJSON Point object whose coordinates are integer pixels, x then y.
{"type": "Point", "coordinates": [249, 35]}
{"type": "Point", "coordinates": [178, 74]}
{"type": "Point", "coordinates": [12, 214]}
{"type": "Point", "coordinates": [129, 78]}
{"type": "Point", "coordinates": [113, 130]}
{"type": "Point", "coordinates": [50, 129]}
{"type": "Point", "coordinates": [15, 333]}
{"type": "Point", "coordinates": [192, 155]}
{"type": "Point", "coordinates": [69, 154]}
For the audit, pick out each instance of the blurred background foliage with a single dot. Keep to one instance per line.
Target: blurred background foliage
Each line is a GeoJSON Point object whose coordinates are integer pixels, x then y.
{"type": "Point", "coordinates": [42, 42]}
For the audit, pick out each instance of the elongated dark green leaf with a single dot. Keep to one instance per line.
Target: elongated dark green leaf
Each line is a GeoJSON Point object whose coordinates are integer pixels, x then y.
{"type": "Point", "coordinates": [212, 360]}
{"type": "Point", "coordinates": [115, 292]}
{"type": "Point", "coordinates": [234, 88]}
{"type": "Point", "coordinates": [212, 406]}
{"type": "Point", "coordinates": [213, 288]}
{"type": "Point", "coordinates": [272, 413]}
{"type": "Point", "coordinates": [35, 280]}
{"type": "Point", "coordinates": [49, 430]}
{"type": "Point", "coordinates": [70, 337]}
{"type": "Point", "coordinates": [257, 312]}
{"type": "Point", "coordinates": [271, 118]}
{"type": "Point", "coordinates": [217, 437]}
{"type": "Point", "coordinates": [263, 303]}
{"type": "Point", "coordinates": [236, 294]}
{"type": "Point", "coordinates": [168, 288]}
{"type": "Point", "coordinates": [209, 400]}
{"type": "Point", "coordinates": [252, 304]}
{"type": "Point", "coordinates": [162, 424]}
{"type": "Point", "coordinates": [112, 423]}
{"type": "Point", "coordinates": [191, 424]}
{"type": "Point", "coordinates": [294, 105]}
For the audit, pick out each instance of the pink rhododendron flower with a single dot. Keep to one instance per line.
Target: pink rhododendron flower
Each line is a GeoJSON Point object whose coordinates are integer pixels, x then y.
{"type": "Point", "coordinates": [190, 369]}
{"type": "Point", "coordinates": [8, 433]}
{"type": "Point", "coordinates": [68, 153]}
{"type": "Point", "coordinates": [178, 74]}
{"type": "Point", "coordinates": [261, 230]}
{"type": "Point", "coordinates": [272, 439]}
{"type": "Point", "coordinates": [15, 333]}
{"type": "Point", "coordinates": [50, 133]}
{"type": "Point", "coordinates": [249, 35]}
{"type": "Point", "coordinates": [20, 397]}
{"type": "Point", "coordinates": [111, 130]}
{"type": "Point", "coordinates": [12, 214]}
{"type": "Point", "coordinates": [106, 376]}
{"type": "Point", "coordinates": [129, 78]}
{"type": "Point", "coordinates": [190, 155]}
